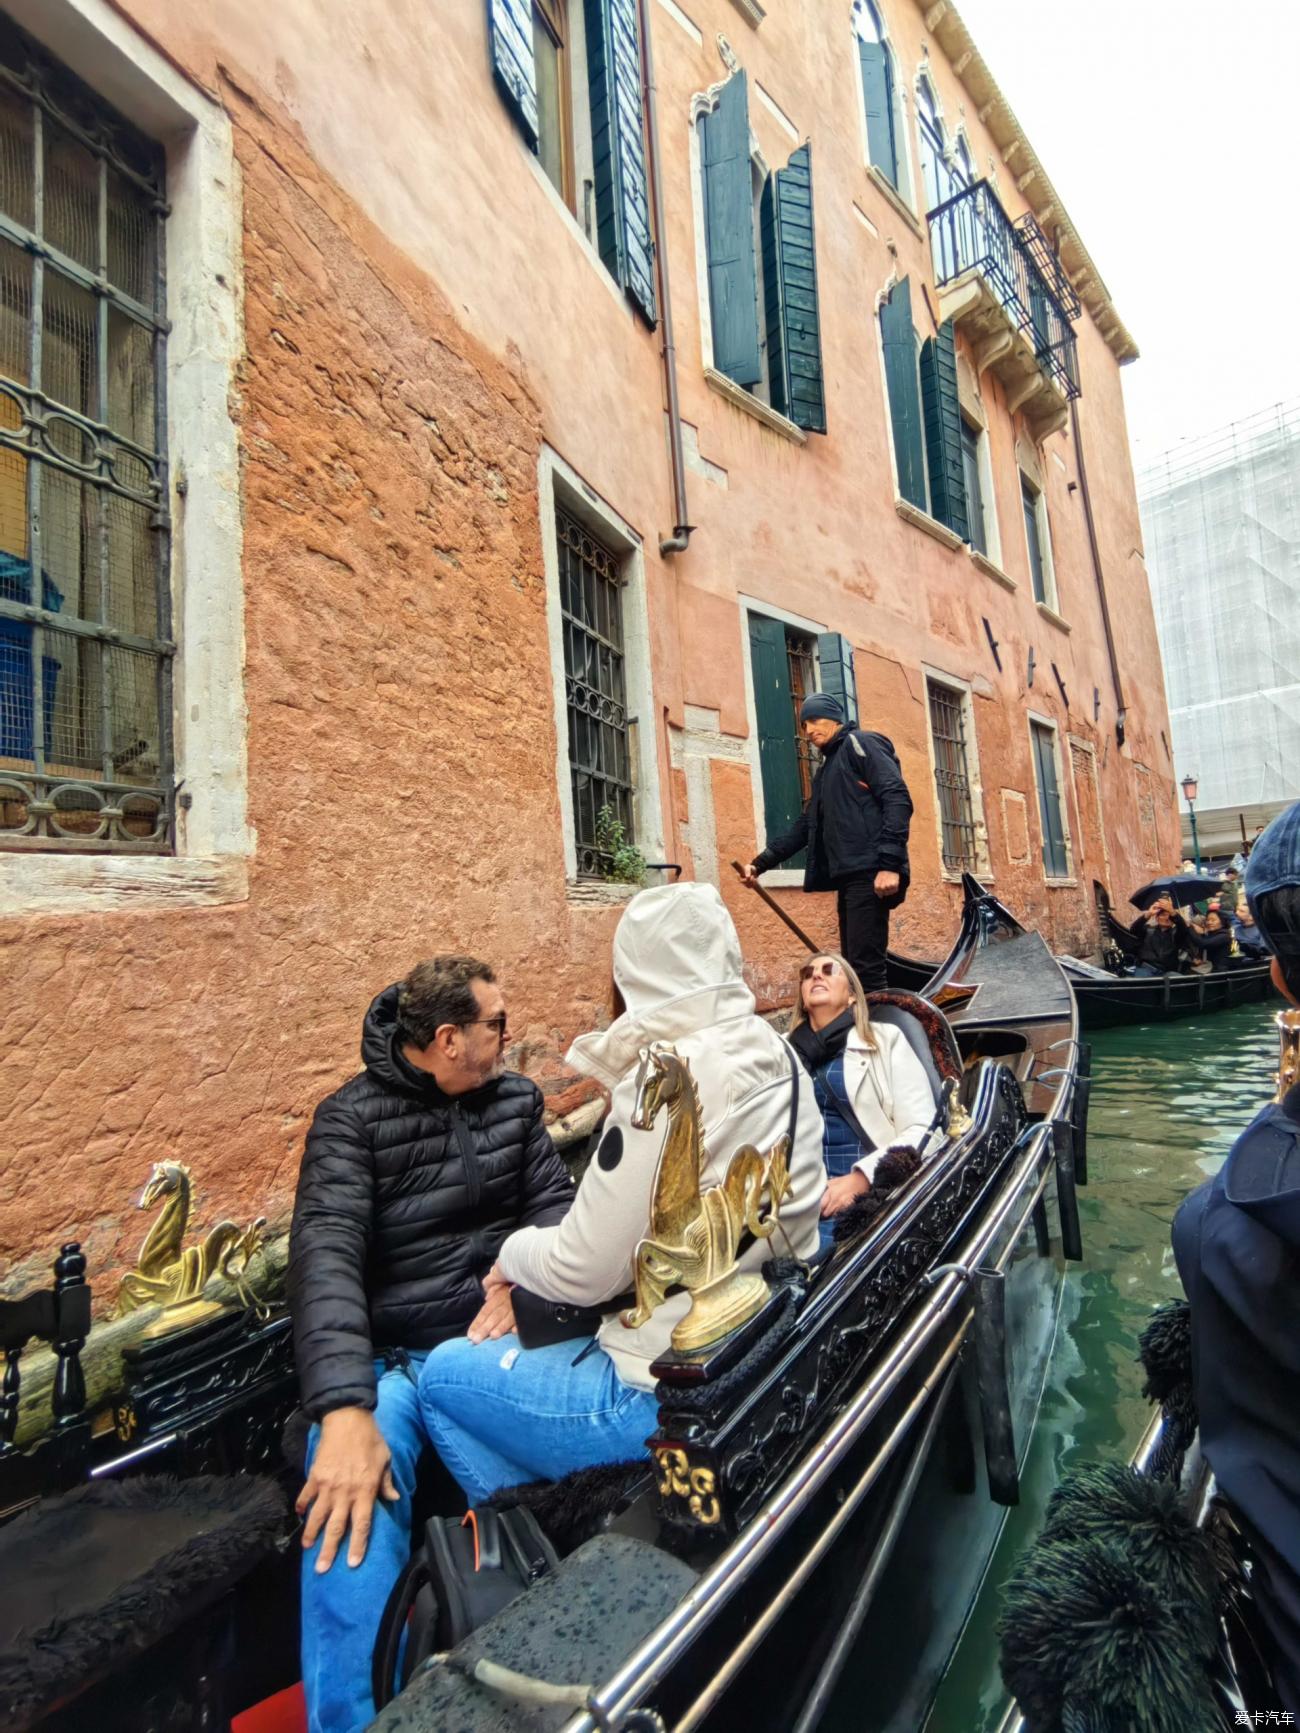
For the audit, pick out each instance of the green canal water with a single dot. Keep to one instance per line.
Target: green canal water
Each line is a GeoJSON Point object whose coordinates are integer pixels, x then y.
{"type": "Point", "coordinates": [1167, 1103]}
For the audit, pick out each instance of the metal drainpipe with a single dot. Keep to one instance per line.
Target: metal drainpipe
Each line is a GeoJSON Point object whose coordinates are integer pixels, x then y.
{"type": "Point", "coordinates": [1097, 571]}
{"type": "Point", "coordinates": [679, 541]}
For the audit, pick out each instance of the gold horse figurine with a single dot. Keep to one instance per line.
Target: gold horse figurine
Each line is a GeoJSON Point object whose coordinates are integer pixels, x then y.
{"type": "Point", "coordinates": [173, 1275]}
{"type": "Point", "coordinates": [694, 1235]}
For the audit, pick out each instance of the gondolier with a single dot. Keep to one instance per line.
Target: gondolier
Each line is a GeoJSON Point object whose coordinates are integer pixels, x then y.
{"type": "Point", "coordinates": [855, 831]}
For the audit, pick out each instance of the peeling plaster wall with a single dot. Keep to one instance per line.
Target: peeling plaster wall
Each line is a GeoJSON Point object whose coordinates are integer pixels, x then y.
{"type": "Point", "coordinates": [421, 319]}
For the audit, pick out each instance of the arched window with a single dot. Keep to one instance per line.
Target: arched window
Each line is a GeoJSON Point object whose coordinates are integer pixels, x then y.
{"type": "Point", "coordinates": [935, 176]}
{"type": "Point", "coordinates": [963, 170]}
{"type": "Point", "coordinates": [878, 93]}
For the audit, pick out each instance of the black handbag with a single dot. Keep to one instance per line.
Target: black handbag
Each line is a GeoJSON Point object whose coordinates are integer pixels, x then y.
{"type": "Point", "coordinates": [464, 1572]}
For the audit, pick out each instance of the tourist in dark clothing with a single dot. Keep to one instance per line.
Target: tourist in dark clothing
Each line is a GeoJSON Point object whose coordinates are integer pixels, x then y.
{"type": "Point", "coordinates": [1163, 936]}
{"type": "Point", "coordinates": [1215, 943]}
{"type": "Point", "coordinates": [855, 831]}
{"type": "Point", "coordinates": [1237, 1245]}
{"type": "Point", "coordinates": [415, 1173]}
{"type": "Point", "coordinates": [1250, 941]}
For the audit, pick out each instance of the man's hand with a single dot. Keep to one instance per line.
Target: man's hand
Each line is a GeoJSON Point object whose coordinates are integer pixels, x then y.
{"type": "Point", "coordinates": [496, 1316]}
{"type": "Point", "coordinates": [887, 884]}
{"type": "Point", "coordinates": [351, 1469]}
{"type": "Point", "coordinates": [840, 1193]}
{"type": "Point", "coordinates": [749, 875]}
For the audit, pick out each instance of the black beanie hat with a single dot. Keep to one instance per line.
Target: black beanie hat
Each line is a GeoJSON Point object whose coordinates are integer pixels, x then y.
{"type": "Point", "coordinates": [821, 707]}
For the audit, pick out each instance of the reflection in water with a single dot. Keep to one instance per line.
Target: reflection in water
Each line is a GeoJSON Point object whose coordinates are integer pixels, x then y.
{"type": "Point", "coordinates": [1167, 1103]}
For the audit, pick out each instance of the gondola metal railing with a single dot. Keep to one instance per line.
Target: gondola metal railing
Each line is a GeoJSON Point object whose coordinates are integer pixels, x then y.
{"type": "Point", "coordinates": [650, 1661]}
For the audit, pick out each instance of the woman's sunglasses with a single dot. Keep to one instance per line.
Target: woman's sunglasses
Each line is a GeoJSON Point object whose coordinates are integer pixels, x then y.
{"type": "Point", "coordinates": [825, 968]}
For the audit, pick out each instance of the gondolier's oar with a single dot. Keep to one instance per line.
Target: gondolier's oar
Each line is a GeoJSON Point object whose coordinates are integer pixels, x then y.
{"type": "Point", "coordinates": [776, 909]}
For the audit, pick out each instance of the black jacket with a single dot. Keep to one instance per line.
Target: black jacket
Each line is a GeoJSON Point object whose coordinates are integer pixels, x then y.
{"type": "Point", "coordinates": [856, 823]}
{"type": "Point", "coordinates": [1237, 1245]}
{"type": "Point", "coordinates": [1163, 947]}
{"type": "Point", "coordinates": [405, 1197]}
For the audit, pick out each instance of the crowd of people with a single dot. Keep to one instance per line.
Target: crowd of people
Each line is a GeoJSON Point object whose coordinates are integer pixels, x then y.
{"type": "Point", "coordinates": [1219, 932]}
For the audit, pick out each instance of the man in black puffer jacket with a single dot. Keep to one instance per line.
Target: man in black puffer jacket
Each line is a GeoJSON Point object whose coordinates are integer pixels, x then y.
{"type": "Point", "coordinates": [855, 830]}
{"type": "Point", "coordinates": [415, 1173]}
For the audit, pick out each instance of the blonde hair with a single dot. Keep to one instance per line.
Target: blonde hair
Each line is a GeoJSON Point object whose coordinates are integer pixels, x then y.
{"type": "Point", "coordinates": [857, 999]}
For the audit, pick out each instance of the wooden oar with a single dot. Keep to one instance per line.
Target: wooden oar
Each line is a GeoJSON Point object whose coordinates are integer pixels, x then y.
{"type": "Point", "coordinates": [776, 909]}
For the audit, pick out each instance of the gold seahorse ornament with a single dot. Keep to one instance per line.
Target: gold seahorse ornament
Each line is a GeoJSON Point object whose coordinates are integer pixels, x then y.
{"type": "Point", "coordinates": [173, 1275]}
{"type": "Point", "coordinates": [694, 1235]}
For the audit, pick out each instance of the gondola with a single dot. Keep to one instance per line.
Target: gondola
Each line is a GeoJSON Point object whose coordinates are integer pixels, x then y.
{"type": "Point", "coordinates": [817, 1475]}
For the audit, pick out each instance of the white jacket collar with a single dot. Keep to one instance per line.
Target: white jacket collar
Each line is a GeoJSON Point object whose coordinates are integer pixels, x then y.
{"type": "Point", "coordinates": [609, 1054]}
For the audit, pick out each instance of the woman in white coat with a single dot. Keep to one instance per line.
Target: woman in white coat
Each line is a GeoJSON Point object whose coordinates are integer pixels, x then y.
{"type": "Point", "coordinates": [872, 1089]}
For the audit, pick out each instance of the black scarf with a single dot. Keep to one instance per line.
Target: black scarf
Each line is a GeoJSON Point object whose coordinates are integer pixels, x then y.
{"type": "Point", "coordinates": [817, 1047]}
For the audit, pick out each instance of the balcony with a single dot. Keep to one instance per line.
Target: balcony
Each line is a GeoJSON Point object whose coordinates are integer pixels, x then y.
{"type": "Point", "coordinates": [999, 282]}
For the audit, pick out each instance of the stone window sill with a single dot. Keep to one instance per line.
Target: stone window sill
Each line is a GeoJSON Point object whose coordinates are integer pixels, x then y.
{"type": "Point", "coordinates": [990, 570]}
{"type": "Point", "coordinates": [1061, 884]}
{"type": "Point", "coordinates": [754, 406]}
{"type": "Point", "coordinates": [912, 514]}
{"type": "Point", "coordinates": [782, 879]}
{"type": "Point", "coordinates": [984, 877]}
{"type": "Point", "coordinates": [106, 884]}
{"type": "Point", "coordinates": [884, 185]}
{"type": "Point", "coordinates": [597, 894]}
{"type": "Point", "coordinates": [1052, 615]}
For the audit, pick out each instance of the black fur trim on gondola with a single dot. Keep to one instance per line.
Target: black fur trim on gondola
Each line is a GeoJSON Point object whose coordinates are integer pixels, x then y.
{"type": "Point", "coordinates": [235, 1523]}
{"type": "Point", "coordinates": [937, 1032]}
{"type": "Point", "coordinates": [1165, 1350]}
{"type": "Point", "coordinates": [574, 1509]}
{"type": "Point", "coordinates": [1108, 1622]}
{"type": "Point", "coordinates": [719, 1394]}
{"type": "Point", "coordinates": [893, 1168]}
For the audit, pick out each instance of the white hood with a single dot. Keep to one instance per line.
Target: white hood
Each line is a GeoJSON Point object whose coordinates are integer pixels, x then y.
{"type": "Point", "coordinates": [677, 963]}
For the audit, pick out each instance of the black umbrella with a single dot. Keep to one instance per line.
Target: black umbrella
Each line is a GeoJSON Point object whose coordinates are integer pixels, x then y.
{"type": "Point", "coordinates": [1181, 888]}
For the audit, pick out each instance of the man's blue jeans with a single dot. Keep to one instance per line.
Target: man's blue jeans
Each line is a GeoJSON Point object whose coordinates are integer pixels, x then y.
{"type": "Point", "coordinates": [499, 1414]}
{"type": "Point", "coordinates": [341, 1609]}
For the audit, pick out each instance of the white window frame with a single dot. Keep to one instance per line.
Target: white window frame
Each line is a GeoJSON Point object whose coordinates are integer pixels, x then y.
{"type": "Point", "coordinates": [779, 876]}
{"type": "Point", "coordinates": [954, 684]}
{"type": "Point", "coordinates": [1071, 878]}
{"type": "Point", "coordinates": [204, 246]}
{"type": "Point", "coordinates": [906, 187]}
{"type": "Point", "coordinates": [1050, 599]}
{"type": "Point", "coordinates": [557, 481]}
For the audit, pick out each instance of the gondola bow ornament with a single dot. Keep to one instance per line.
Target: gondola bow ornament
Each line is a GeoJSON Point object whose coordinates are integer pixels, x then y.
{"type": "Point", "coordinates": [695, 1235]}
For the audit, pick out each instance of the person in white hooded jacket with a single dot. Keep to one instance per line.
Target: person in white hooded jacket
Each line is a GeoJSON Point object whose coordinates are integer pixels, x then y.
{"type": "Point", "coordinates": [500, 1414]}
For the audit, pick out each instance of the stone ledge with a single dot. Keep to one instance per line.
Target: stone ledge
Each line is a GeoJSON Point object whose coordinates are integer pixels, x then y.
{"type": "Point", "coordinates": [884, 185]}
{"type": "Point", "coordinates": [1050, 613]}
{"type": "Point", "coordinates": [986, 565]}
{"type": "Point", "coordinates": [912, 514]}
{"type": "Point", "coordinates": [752, 405]}
{"type": "Point", "coordinates": [106, 884]}
{"type": "Point", "coordinates": [597, 894]}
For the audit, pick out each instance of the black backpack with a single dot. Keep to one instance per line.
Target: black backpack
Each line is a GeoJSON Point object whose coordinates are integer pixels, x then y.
{"type": "Point", "coordinates": [466, 1570]}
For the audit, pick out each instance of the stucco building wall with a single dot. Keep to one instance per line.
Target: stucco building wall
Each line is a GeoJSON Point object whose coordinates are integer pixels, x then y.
{"type": "Point", "coordinates": [423, 326]}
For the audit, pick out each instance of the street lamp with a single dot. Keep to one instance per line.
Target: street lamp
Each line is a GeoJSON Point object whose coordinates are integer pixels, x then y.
{"type": "Point", "coordinates": [1190, 786]}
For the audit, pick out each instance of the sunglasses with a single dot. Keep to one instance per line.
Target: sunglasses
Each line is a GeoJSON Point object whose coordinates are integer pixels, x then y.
{"type": "Point", "coordinates": [498, 1023]}
{"type": "Point", "coordinates": [825, 968]}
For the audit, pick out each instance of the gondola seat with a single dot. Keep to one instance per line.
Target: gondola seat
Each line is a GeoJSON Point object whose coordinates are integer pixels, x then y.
{"type": "Point", "coordinates": [120, 1582]}
{"type": "Point", "coordinates": [927, 1032]}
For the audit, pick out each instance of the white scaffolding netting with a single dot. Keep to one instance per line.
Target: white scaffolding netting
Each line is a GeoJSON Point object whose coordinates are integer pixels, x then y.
{"type": "Point", "coordinates": [1221, 521]}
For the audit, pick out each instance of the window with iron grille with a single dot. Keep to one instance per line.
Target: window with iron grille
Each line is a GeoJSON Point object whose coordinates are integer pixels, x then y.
{"type": "Point", "coordinates": [85, 646]}
{"type": "Point", "coordinates": [591, 605]}
{"type": "Point", "coordinates": [952, 777]}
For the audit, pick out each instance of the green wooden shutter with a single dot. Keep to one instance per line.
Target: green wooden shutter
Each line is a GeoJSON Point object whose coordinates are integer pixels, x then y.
{"type": "Point", "coordinates": [904, 395]}
{"type": "Point", "coordinates": [942, 414]}
{"type": "Point", "coordinates": [729, 233]}
{"type": "Point", "coordinates": [1056, 860]}
{"type": "Point", "coordinates": [794, 344]}
{"type": "Point", "coordinates": [774, 713]}
{"type": "Point", "coordinates": [510, 37]}
{"type": "Point", "coordinates": [878, 97]}
{"type": "Point", "coordinates": [838, 678]}
{"type": "Point", "coordinates": [618, 149]}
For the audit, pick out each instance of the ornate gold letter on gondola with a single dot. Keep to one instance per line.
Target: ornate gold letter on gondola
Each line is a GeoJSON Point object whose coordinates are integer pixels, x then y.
{"type": "Point", "coordinates": [173, 1275]}
{"type": "Point", "coordinates": [694, 1235]}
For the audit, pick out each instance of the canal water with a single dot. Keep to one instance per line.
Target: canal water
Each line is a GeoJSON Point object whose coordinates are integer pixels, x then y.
{"type": "Point", "coordinates": [1167, 1103]}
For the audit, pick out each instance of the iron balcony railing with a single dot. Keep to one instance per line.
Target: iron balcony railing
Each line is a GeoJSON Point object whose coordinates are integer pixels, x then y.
{"type": "Point", "coordinates": [972, 232]}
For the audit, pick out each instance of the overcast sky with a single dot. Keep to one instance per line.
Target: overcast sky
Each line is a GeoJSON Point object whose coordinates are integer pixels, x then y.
{"type": "Point", "coordinates": [1169, 130]}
